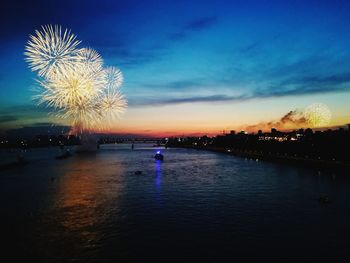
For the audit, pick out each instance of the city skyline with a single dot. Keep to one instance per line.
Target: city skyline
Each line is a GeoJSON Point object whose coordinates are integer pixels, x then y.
{"type": "Point", "coordinates": [193, 68]}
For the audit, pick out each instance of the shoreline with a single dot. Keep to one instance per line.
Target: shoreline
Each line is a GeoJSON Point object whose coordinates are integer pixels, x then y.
{"type": "Point", "coordinates": [250, 154]}
{"type": "Point", "coordinates": [276, 158]}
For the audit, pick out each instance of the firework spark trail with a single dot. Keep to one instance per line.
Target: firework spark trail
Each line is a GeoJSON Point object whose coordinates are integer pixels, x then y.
{"type": "Point", "coordinates": [84, 117]}
{"type": "Point", "coordinates": [73, 81]}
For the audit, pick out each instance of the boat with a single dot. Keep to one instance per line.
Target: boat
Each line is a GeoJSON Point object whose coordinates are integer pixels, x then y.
{"type": "Point", "coordinates": [159, 156]}
{"type": "Point", "coordinates": [64, 155]}
{"type": "Point", "coordinates": [20, 162]}
{"type": "Point", "coordinates": [324, 199]}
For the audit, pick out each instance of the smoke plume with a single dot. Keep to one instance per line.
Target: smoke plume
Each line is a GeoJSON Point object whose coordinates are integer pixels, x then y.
{"type": "Point", "coordinates": [292, 120]}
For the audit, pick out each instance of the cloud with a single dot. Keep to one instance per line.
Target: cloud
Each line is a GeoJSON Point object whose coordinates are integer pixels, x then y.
{"type": "Point", "coordinates": [213, 98]}
{"type": "Point", "coordinates": [182, 85]}
{"type": "Point", "coordinates": [333, 79]}
{"type": "Point", "coordinates": [135, 52]}
{"type": "Point", "coordinates": [291, 120]}
{"type": "Point", "coordinates": [304, 85]}
{"type": "Point", "coordinates": [8, 118]}
{"type": "Point", "coordinates": [194, 99]}
{"type": "Point", "coordinates": [131, 58]}
{"type": "Point", "coordinates": [126, 55]}
{"type": "Point", "coordinates": [129, 55]}
{"type": "Point", "coordinates": [38, 124]}
{"type": "Point", "coordinates": [25, 109]}
{"type": "Point", "coordinates": [201, 23]}
{"type": "Point", "coordinates": [194, 26]}
{"type": "Point", "coordinates": [250, 49]}
{"type": "Point", "coordinates": [15, 116]}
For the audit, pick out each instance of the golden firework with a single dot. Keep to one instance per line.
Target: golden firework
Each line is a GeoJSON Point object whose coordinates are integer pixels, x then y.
{"type": "Point", "coordinates": [318, 115]}
{"type": "Point", "coordinates": [73, 82]}
{"type": "Point", "coordinates": [111, 105]}
{"type": "Point", "coordinates": [72, 88]}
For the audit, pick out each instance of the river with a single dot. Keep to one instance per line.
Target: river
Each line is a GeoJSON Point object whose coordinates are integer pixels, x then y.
{"type": "Point", "coordinates": [120, 204]}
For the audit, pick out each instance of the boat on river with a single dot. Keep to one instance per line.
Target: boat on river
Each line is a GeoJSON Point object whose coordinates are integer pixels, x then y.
{"type": "Point", "coordinates": [159, 156]}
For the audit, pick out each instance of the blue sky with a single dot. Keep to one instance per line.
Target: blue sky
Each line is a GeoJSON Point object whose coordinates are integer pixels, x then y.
{"type": "Point", "coordinates": [255, 59]}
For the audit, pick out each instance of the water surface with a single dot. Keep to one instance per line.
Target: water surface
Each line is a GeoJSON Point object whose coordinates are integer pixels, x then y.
{"type": "Point", "coordinates": [196, 205]}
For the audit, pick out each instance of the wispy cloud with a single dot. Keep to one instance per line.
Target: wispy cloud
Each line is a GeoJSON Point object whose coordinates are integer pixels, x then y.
{"type": "Point", "coordinates": [12, 116]}
{"type": "Point", "coordinates": [139, 54]}
{"type": "Point", "coordinates": [213, 98]}
{"type": "Point", "coordinates": [47, 124]}
{"type": "Point", "coordinates": [179, 85]}
{"type": "Point", "coordinates": [333, 79]}
{"type": "Point", "coordinates": [201, 23]}
{"type": "Point", "coordinates": [193, 99]}
{"type": "Point", "coordinates": [24, 108]}
{"type": "Point", "coordinates": [293, 87]}
{"type": "Point", "coordinates": [251, 49]}
{"type": "Point", "coordinates": [128, 57]}
{"type": "Point", "coordinates": [194, 26]}
{"type": "Point", "coordinates": [8, 118]}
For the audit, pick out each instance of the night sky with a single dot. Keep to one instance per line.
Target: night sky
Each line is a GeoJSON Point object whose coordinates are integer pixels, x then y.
{"type": "Point", "coordinates": [191, 67]}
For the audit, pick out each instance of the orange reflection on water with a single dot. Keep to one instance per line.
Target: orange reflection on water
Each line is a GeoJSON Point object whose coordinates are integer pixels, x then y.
{"type": "Point", "coordinates": [87, 195]}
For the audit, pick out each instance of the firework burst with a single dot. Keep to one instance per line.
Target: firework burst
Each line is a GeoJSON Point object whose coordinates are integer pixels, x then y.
{"type": "Point", "coordinates": [73, 81]}
{"type": "Point", "coordinates": [318, 115]}
{"type": "Point", "coordinates": [114, 78]}
{"type": "Point", "coordinates": [51, 50]}
{"type": "Point", "coordinates": [90, 59]}
{"type": "Point", "coordinates": [71, 88]}
{"type": "Point", "coordinates": [112, 104]}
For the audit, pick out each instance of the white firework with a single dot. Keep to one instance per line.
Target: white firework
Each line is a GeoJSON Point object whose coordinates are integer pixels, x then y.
{"type": "Point", "coordinates": [318, 115]}
{"type": "Point", "coordinates": [114, 77]}
{"type": "Point", "coordinates": [89, 58]}
{"type": "Point", "coordinates": [51, 50]}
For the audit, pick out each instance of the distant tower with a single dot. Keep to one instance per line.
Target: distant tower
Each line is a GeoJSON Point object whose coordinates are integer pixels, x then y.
{"type": "Point", "coordinates": [308, 131]}
{"type": "Point", "coordinates": [273, 131]}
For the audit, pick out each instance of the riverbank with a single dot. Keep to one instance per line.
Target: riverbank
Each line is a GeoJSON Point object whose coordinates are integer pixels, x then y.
{"type": "Point", "coordinates": [277, 158]}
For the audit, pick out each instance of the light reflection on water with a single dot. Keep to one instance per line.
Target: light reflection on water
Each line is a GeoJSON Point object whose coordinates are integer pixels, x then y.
{"type": "Point", "coordinates": [87, 186]}
{"type": "Point", "coordinates": [158, 179]}
{"type": "Point", "coordinates": [193, 204]}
